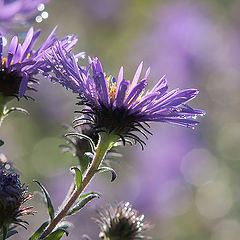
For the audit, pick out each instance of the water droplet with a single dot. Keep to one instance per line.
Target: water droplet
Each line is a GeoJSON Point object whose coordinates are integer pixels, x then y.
{"type": "Point", "coordinates": [41, 7]}
{"type": "Point", "coordinates": [38, 19]}
{"type": "Point", "coordinates": [44, 15]}
{"type": "Point", "coordinates": [7, 166]}
{"type": "Point", "coordinates": [4, 41]}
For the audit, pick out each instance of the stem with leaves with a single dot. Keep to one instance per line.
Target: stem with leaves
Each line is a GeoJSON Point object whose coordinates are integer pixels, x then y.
{"type": "Point", "coordinates": [105, 143]}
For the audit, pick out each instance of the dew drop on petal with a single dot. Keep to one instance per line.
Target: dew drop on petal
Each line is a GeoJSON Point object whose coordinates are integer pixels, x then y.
{"type": "Point", "coordinates": [4, 41]}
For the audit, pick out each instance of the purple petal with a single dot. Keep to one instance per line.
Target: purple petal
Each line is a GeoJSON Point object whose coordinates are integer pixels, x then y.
{"type": "Point", "coordinates": [27, 41]}
{"type": "Point", "coordinates": [124, 85]}
{"type": "Point", "coordinates": [1, 50]}
{"type": "Point", "coordinates": [136, 76]}
{"type": "Point", "coordinates": [23, 85]}
{"type": "Point", "coordinates": [120, 79]}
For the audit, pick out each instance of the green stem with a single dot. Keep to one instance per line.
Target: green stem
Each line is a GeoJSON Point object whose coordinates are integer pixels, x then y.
{"type": "Point", "coordinates": [105, 143]}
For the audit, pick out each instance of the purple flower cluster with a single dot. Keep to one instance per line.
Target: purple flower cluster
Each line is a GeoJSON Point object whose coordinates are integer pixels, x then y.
{"type": "Point", "coordinates": [12, 195]}
{"type": "Point", "coordinates": [22, 62]}
{"type": "Point", "coordinates": [118, 106]}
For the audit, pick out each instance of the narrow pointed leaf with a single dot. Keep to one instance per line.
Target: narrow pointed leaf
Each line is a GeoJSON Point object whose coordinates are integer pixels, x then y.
{"type": "Point", "coordinates": [8, 234]}
{"type": "Point", "coordinates": [39, 231]}
{"type": "Point", "coordinates": [81, 204]}
{"type": "Point", "coordinates": [105, 169]}
{"type": "Point", "coordinates": [80, 135]}
{"type": "Point", "coordinates": [5, 232]}
{"type": "Point", "coordinates": [48, 199]}
{"type": "Point", "coordinates": [78, 177]}
{"type": "Point", "coordinates": [1, 142]}
{"type": "Point", "coordinates": [64, 225]}
{"type": "Point", "coordinates": [56, 235]}
{"type": "Point", "coordinates": [88, 194]}
{"type": "Point", "coordinates": [17, 109]}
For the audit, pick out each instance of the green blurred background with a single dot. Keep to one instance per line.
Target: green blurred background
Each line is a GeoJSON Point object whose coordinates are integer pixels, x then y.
{"type": "Point", "coordinates": [186, 182]}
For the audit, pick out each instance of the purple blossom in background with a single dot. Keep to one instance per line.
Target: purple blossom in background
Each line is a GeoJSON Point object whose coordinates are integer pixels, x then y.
{"type": "Point", "coordinates": [9, 10]}
{"type": "Point", "coordinates": [17, 13]}
{"type": "Point", "coordinates": [22, 62]}
{"type": "Point", "coordinates": [177, 42]}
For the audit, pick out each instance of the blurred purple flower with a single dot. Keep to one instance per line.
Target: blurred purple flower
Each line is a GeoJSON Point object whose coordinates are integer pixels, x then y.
{"type": "Point", "coordinates": [22, 63]}
{"type": "Point", "coordinates": [177, 40]}
{"type": "Point", "coordinates": [10, 9]}
{"type": "Point", "coordinates": [104, 10]}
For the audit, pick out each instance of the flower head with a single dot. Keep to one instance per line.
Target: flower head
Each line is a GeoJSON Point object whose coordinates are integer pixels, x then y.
{"type": "Point", "coordinates": [119, 107]}
{"type": "Point", "coordinates": [122, 222]}
{"type": "Point", "coordinates": [12, 195]}
{"type": "Point", "coordinates": [21, 63]}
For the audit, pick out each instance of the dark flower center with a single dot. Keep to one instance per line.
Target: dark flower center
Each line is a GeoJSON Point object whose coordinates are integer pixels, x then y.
{"type": "Point", "coordinates": [118, 121]}
{"type": "Point", "coordinates": [9, 82]}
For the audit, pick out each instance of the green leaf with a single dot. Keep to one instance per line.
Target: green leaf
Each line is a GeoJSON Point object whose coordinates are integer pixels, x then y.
{"type": "Point", "coordinates": [64, 225]}
{"type": "Point", "coordinates": [39, 231]}
{"type": "Point", "coordinates": [56, 235]}
{"type": "Point", "coordinates": [48, 199]}
{"type": "Point", "coordinates": [1, 142]}
{"type": "Point", "coordinates": [16, 109]}
{"type": "Point", "coordinates": [8, 234]}
{"type": "Point", "coordinates": [88, 194]}
{"type": "Point", "coordinates": [106, 169]}
{"type": "Point", "coordinates": [83, 161]}
{"type": "Point", "coordinates": [81, 204]}
{"type": "Point", "coordinates": [80, 135]}
{"type": "Point", "coordinates": [78, 177]}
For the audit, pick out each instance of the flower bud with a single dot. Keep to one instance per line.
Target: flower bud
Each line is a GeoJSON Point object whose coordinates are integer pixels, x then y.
{"type": "Point", "coordinates": [12, 195]}
{"type": "Point", "coordinates": [122, 222]}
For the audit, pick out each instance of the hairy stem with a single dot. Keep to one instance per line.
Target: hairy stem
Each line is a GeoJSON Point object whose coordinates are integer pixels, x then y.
{"type": "Point", "coordinates": [105, 143]}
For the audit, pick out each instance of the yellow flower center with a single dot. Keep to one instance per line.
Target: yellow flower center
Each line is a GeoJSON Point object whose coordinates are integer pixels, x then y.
{"type": "Point", "coordinates": [4, 60]}
{"type": "Point", "coordinates": [111, 88]}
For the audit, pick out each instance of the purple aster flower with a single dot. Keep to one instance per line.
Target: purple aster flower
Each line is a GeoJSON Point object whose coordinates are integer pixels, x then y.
{"type": "Point", "coordinates": [12, 195]}
{"type": "Point", "coordinates": [21, 63]}
{"type": "Point", "coordinates": [118, 107]}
